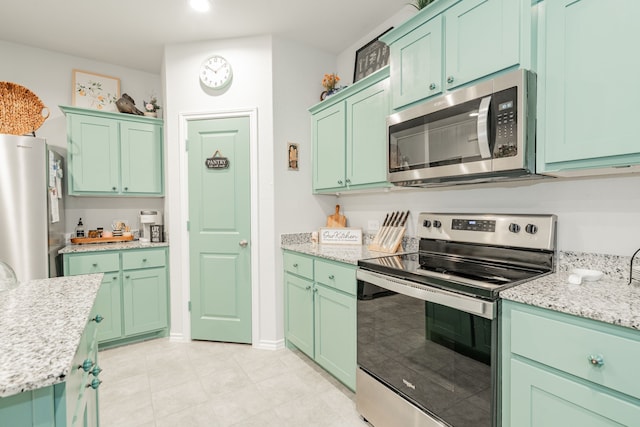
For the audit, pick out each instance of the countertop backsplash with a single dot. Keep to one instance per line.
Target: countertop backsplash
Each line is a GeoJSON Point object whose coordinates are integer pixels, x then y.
{"type": "Point", "coordinates": [409, 243]}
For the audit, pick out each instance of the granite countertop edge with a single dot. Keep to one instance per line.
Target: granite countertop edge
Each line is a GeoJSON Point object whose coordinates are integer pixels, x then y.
{"type": "Point", "coordinates": [610, 300]}
{"type": "Point", "coordinates": [99, 247]}
{"type": "Point", "coordinates": [41, 324]}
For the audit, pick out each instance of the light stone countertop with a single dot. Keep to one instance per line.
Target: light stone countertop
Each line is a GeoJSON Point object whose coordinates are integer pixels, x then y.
{"type": "Point", "coordinates": [41, 323]}
{"type": "Point", "coordinates": [349, 254]}
{"type": "Point", "coordinates": [610, 299]}
{"type": "Point", "coordinates": [97, 247]}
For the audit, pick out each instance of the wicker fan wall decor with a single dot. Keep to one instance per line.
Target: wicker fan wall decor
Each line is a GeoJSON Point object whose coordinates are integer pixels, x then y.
{"type": "Point", "coordinates": [21, 111]}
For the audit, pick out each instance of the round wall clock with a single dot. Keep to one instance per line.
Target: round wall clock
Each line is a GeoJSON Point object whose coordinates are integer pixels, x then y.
{"type": "Point", "coordinates": [215, 72]}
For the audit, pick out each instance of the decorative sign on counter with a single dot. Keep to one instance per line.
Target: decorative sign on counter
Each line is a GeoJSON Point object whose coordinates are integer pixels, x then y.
{"type": "Point", "coordinates": [341, 236]}
{"type": "Point", "coordinates": [217, 161]}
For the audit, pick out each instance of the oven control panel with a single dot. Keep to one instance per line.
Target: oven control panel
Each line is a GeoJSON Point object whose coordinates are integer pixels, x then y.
{"type": "Point", "coordinates": [527, 231]}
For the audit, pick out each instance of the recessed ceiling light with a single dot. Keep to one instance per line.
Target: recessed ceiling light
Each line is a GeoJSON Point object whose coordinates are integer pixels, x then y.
{"type": "Point", "coordinates": [200, 5]}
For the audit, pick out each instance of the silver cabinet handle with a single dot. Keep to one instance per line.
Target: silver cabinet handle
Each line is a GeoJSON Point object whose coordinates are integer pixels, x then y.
{"type": "Point", "coordinates": [243, 243]}
{"type": "Point", "coordinates": [483, 128]}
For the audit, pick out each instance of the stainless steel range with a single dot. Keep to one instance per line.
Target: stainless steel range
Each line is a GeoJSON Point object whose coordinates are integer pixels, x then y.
{"type": "Point", "coordinates": [427, 321]}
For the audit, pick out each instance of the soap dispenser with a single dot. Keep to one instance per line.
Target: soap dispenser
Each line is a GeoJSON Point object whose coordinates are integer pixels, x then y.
{"type": "Point", "coordinates": [80, 229]}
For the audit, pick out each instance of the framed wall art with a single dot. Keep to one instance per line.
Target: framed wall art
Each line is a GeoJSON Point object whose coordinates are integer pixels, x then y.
{"type": "Point", "coordinates": [371, 57]}
{"type": "Point", "coordinates": [97, 91]}
{"type": "Point", "coordinates": [292, 150]}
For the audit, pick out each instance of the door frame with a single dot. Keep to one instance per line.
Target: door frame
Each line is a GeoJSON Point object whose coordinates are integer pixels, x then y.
{"type": "Point", "coordinates": [185, 118]}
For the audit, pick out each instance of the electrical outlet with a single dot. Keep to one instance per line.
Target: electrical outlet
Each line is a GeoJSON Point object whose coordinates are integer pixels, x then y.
{"type": "Point", "coordinates": [373, 225]}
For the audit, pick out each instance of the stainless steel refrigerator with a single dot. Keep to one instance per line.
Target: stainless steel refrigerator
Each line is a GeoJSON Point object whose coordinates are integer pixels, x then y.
{"type": "Point", "coordinates": [31, 207]}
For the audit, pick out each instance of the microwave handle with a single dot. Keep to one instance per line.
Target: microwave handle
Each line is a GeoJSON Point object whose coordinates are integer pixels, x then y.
{"type": "Point", "coordinates": [483, 128]}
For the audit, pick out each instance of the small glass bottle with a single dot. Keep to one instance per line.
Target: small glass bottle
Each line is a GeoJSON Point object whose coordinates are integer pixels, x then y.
{"type": "Point", "coordinates": [80, 229]}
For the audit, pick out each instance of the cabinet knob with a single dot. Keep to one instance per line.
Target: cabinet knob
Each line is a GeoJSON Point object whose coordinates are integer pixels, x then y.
{"type": "Point", "coordinates": [126, 188]}
{"type": "Point", "coordinates": [307, 288]}
{"type": "Point", "coordinates": [144, 260]}
{"type": "Point", "coordinates": [348, 181]}
{"type": "Point", "coordinates": [243, 243]}
{"type": "Point", "coordinates": [96, 371]}
{"type": "Point", "coordinates": [94, 384]}
{"type": "Point", "coordinates": [295, 265]}
{"type": "Point", "coordinates": [339, 182]}
{"type": "Point", "coordinates": [95, 264]}
{"type": "Point", "coordinates": [331, 277]}
{"type": "Point", "coordinates": [97, 319]}
{"type": "Point", "coordinates": [127, 276]}
{"type": "Point", "coordinates": [595, 359]}
{"type": "Point", "coordinates": [432, 86]}
{"type": "Point", "coordinates": [115, 277]}
{"type": "Point", "coordinates": [86, 365]}
{"type": "Point", "coordinates": [450, 79]}
{"type": "Point", "coordinates": [315, 289]}
{"type": "Point", "coordinates": [113, 188]}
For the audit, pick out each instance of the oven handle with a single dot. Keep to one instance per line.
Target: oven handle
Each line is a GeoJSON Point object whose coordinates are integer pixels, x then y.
{"type": "Point", "coordinates": [464, 303]}
{"type": "Point", "coordinates": [483, 127]}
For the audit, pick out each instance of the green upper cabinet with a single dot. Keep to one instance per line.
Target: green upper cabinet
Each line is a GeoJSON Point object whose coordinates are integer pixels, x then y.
{"type": "Point", "coordinates": [349, 136]}
{"type": "Point", "coordinates": [329, 147]}
{"type": "Point", "coordinates": [416, 64]}
{"type": "Point", "coordinates": [452, 42]}
{"type": "Point", "coordinates": [113, 154]}
{"type": "Point", "coordinates": [481, 37]}
{"type": "Point", "coordinates": [584, 125]}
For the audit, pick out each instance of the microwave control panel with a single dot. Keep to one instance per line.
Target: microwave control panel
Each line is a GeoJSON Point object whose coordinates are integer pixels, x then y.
{"type": "Point", "coordinates": [506, 113]}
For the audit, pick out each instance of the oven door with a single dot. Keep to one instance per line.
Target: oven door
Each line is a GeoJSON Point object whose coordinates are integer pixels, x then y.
{"type": "Point", "coordinates": [436, 349]}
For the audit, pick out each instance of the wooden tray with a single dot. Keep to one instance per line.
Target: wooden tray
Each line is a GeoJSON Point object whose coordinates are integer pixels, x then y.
{"type": "Point", "coordinates": [84, 240]}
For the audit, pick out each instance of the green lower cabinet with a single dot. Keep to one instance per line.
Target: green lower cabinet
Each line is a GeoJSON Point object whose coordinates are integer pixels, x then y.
{"type": "Point", "coordinates": [560, 370]}
{"type": "Point", "coordinates": [335, 333]}
{"type": "Point", "coordinates": [133, 297]}
{"type": "Point", "coordinates": [299, 322]}
{"type": "Point", "coordinates": [29, 409]}
{"type": "Point", "coordinates": [144, 300]}
{"type": "Point", "coordinates": [109, 305]}
{"type": "Point", "coordinates": [320, 313]}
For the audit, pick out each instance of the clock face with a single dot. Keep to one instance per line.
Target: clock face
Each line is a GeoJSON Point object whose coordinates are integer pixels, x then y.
{"type": "Point", "coordinates": [215, 72]}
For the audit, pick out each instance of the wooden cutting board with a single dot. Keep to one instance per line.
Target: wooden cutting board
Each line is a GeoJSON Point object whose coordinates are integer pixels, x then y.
{"type": "Point", "coordinates": [336, 220]}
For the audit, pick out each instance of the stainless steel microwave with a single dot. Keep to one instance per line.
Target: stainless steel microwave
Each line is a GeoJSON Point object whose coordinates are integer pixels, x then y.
{"type": "Point", "coordinates": [480, 133]}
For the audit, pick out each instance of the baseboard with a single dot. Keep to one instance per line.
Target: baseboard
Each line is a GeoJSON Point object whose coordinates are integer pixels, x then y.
{"type": "Point", "coordinates": [269, 344]}
{"type": "Point", "coordinates": [178, 337]}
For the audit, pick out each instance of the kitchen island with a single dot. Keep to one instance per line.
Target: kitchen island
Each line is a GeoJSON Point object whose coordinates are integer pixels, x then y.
{"type": "Point", "coordinates": [43, 325]}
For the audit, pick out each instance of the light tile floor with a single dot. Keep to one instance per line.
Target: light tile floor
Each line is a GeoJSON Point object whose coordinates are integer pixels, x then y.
{"type": "Point", "coordinates": [165, 383]}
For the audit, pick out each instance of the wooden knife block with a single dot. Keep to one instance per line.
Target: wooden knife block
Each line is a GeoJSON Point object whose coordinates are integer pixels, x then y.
{"type": "Point", "coordinates": [388, 246]}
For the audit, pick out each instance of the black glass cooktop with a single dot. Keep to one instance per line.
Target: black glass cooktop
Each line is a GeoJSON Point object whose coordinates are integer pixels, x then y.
{"type": "Point", "coordinates": [469, 275]}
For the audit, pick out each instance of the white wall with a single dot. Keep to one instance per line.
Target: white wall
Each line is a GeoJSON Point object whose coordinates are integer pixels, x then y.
{"type": "Point", "coordinates": [297, 77]}
{"type": "Point", "coordinates": [251, 88]}
{"type": "Point", "coordinates": [49, 75]}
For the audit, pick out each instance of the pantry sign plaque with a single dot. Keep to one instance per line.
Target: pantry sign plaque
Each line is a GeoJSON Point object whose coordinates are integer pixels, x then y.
{"type": "Point", "coordinates": [217, 161]}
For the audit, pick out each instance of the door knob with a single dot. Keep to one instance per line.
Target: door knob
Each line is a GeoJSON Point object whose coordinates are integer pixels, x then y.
{"type": "Point", "coordinates": [243, 243]}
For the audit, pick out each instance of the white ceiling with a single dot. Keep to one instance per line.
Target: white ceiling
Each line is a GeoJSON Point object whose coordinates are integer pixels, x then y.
{"type": "Point", "coordinates": [132, 33]}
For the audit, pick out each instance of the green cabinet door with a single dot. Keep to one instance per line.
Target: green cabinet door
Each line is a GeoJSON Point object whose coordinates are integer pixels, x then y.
{"type": "Point", "coordinates": [141, 158]}
{"type": "Point", "coordinates": [366, 157]}
{"type": "Point", "coordinates": [34, 408]}
{"type": "Point", "coordinates": [108, 305]}
{"type": "Point", "coordinates": [335, 333]}
{"type": "Point", "coordinates": [299, 312]}
{"type": "Point", "coordinates": [94, 155]}
{"type": "Point", "coordinates": [416, 64]}
{"type": "Point", "coordinates": [481, 38]}
{"type": "Point", "coordinates": [329, 138]}
{"type": "Point", "coordinates": [543, 398]}
{"type": "Point", "coordinates": [144, 300]}
{"type": "Point", "coordinates": [583, 122]}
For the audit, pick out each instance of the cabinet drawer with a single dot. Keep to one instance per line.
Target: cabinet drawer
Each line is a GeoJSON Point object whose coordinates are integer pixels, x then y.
{"type": "Point", "coordinates": [143, 259]}
{"type": "Point", "coordinates": [568, 344]}
{"type": "Point", "coordinates": [299, 265]}
{"type": "Point", "coordinates": [336, 276]}
{"type": "Point", "coordinates": [93, 263]}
